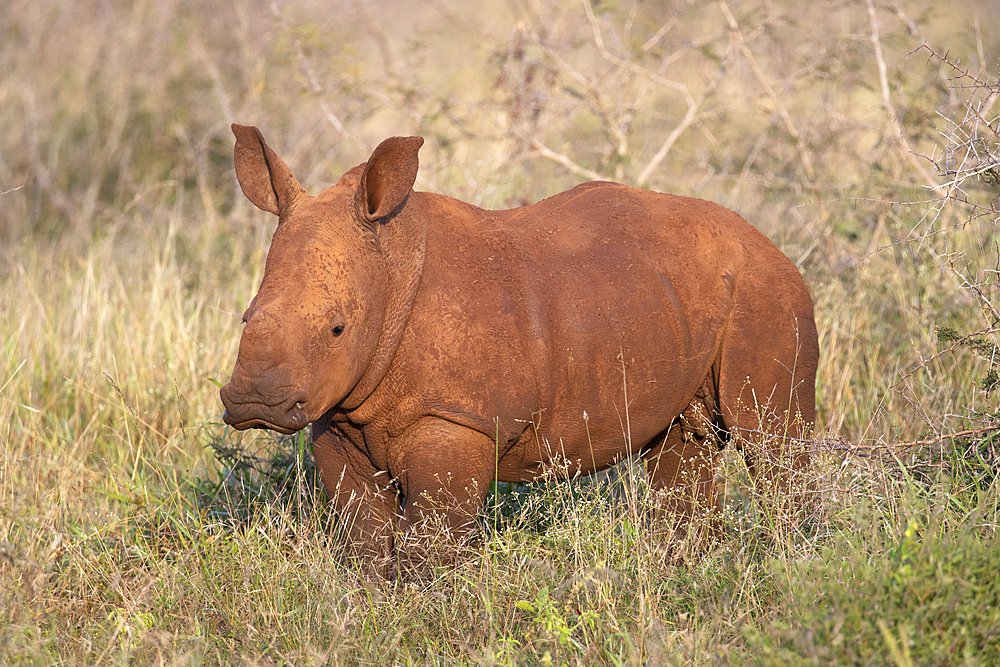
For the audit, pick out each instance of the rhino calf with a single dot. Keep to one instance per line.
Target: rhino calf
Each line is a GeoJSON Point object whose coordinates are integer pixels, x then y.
{"type": "Point", "coordinates": [435, 346]}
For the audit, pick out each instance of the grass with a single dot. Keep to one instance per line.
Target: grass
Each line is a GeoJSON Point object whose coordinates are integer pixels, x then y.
{"type": "Point", "coordinates": [136, 529]}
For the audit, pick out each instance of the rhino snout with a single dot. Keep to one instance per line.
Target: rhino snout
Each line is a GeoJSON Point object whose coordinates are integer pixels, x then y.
{"type": "Point", "coordinates": [243, 412]}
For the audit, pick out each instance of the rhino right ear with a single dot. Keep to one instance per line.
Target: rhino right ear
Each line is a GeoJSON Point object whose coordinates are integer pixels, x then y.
{"type": "Point", "coordinates": [387, 179]}
{"type": "Point", "coordinates": [264, 178]}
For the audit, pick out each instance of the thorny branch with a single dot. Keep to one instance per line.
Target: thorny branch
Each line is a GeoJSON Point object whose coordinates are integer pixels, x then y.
{"type": "Point", "coordinates": [897, 446]}
{"type": "Point", "coordinates": [815, 446]}
{"type": "Point", "coordinates": [973, 143]}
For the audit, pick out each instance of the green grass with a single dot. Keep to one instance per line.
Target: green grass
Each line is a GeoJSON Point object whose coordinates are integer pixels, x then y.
{"type": "Point", "coordinates": [918, 587]}
{"type": "Point", "coordinates": [136, 529]}
{"type": "Point", "coordinates": [895, 566]}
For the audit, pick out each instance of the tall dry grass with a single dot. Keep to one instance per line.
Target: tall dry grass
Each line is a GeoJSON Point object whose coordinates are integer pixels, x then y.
{"type": "Point", "coordinates": [127, 255]}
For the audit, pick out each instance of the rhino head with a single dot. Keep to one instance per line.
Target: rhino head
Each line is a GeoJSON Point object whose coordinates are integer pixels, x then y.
{"type": "Point", "coordinates": [320, 316]}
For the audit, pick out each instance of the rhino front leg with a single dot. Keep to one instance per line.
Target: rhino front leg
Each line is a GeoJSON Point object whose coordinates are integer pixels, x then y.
{"type": "Point", "coordinates": [445, 473]}
{"type": "Point", "coordinates": [366, 499]}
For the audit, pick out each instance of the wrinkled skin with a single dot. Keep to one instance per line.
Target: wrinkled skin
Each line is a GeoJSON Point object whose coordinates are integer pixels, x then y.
{"type": "Point", "coordinates": [434, 346]}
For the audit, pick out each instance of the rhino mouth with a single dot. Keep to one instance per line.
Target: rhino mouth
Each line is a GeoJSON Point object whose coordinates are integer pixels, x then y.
{"type": "Point", "coordinates": [286, 417]}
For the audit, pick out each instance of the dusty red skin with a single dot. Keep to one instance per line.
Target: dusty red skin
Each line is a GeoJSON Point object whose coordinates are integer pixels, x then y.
{"type": "Point", "coordinates": [435, 346]}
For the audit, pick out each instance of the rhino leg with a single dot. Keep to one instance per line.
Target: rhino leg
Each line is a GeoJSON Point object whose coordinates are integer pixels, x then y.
{"type": "Point", "coordinates": [446, 473]}
{"type": "Point", "coordinates": [366, 499]}
{"type": "Point", "coordinates": [682, 464]}
{"type": "Point", "coordinates": [767, 400]}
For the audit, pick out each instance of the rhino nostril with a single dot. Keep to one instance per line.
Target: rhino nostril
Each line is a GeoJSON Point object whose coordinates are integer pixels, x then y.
{"type": "Point", "coordinates": [297, 416]}
{"type": "Point", "coordinates": [296, 402]}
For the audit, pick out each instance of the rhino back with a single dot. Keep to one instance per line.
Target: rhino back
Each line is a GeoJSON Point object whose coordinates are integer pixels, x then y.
{"type": "Point", "coordinates": [527, 318]}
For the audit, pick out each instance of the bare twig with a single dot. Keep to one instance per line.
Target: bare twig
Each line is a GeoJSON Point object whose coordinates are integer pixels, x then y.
{"type": "Point", "coordinates": [983, 299]}
{"type": "Point", "coordinates": [976, 81]}
{"type": "Point", "coordinates": [310, 73]}
{"type": "Point", "coordinates": [658, 35]}
{"type": "Point", "coordinates": [786, 118]}
{"type": "Point", "coordinates": [689, 119]}
{"type": "Point", "coordinates": [883, 79]}
{"type": "Point", "coordinates": [627, 64]}
{"type": "Point", "coordinates": [894, 446]}
{"type": "Point", "coordinates": [693, 103]}
{"type": "Point", "coordinates": [821, 445]}
{"type": "Point", "coordinates": [565, 161]}
{"type": "Point", "coordinates": [958, 341]}
{"type": "Point", "coordinates": [616, 127]}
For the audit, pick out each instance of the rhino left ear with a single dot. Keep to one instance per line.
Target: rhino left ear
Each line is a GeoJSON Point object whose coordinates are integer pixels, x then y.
{"type": "Point", "coordinates": [265, 179]}
{"type": "Point", "coordinates": [388, 177]}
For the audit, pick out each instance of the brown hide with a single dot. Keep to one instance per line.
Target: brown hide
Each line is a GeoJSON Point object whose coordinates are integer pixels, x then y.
{"type": "Point", "coordinates": [435, 346]}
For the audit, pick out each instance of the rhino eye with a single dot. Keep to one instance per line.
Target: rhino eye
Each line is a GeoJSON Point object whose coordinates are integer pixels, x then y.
{"type": "Point", "coordinates": [337, 330]}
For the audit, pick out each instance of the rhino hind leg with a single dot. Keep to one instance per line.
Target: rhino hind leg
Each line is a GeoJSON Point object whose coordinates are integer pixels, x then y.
{"type": "Point", "coordinates": [767, 384]}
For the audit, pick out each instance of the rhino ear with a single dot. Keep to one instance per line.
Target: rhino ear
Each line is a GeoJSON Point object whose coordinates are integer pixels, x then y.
{"type": "Point", "coordinates": [264, 178]}
{"type": "Point", "coordinates": [387, 178]}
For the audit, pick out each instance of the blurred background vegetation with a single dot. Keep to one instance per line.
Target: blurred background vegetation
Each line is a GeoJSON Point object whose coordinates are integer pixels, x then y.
{"type": "Point", "coordinates": [861, 136]}
{"type": "Point", "coordinates": [825, 125]}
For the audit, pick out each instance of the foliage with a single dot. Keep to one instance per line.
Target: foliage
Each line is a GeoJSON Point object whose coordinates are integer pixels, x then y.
{"type": "Point", "coordinates": [282, 476]}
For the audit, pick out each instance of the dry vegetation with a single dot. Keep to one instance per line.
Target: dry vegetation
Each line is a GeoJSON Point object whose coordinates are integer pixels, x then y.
{"type": "Point", "coordinates": [861, 136]}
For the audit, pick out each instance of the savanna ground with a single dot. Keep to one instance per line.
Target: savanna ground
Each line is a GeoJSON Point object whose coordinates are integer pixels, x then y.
{"type": "Point", "coordinates": [136, 529]}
